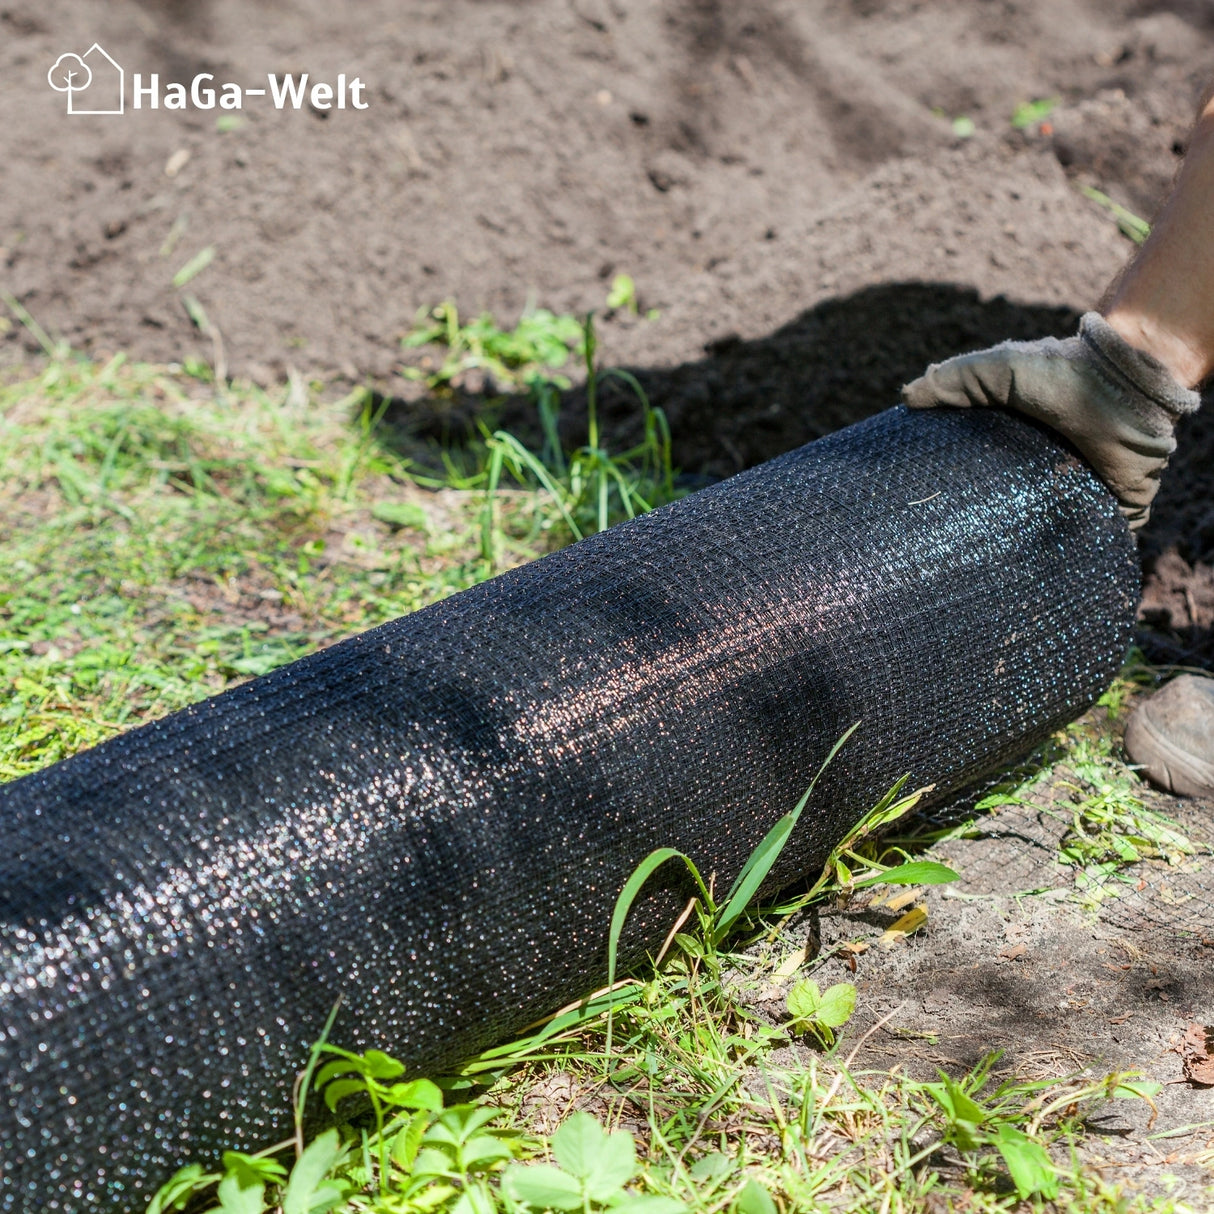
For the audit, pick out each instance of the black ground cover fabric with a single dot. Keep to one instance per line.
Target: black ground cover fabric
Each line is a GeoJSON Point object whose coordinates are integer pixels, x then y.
{"type": "Point", "coordinates": [434, 819]}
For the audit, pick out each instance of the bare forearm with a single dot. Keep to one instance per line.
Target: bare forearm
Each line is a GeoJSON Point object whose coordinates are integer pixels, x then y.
{"type": "Point", "coordinates": [1164, 302]}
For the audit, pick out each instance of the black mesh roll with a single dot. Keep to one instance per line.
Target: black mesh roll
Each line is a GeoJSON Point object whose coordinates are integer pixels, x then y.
{"type": "Point", "coordinates": [434, 819]}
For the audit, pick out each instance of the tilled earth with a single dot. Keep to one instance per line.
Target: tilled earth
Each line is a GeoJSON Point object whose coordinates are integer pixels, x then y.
{"type": "Point", "coordinates": [784, 180]}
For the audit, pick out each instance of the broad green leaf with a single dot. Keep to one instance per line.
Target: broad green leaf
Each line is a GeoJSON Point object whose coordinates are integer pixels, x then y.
{"type": "Point", "coordinates": [416, 1094]}
{"type": "Point", "coordinates": [804, 1000]}
{"type": "Point", "coordinates": [442, 1134]}
{"type": "Point", "coordinates": [340, 1066]}
{"type": "Point", "coordinates": [382, 1066]}
{"type": "Point", "coordinates": [484, 1149]}
{"type": "Point", "coordinates": [964, 1107]}
{"type": "Point", "coordinates": [713, 1167]}
{"type": "Point", "coordinates": [614, 1167]}
{"type": "Point", "coordinates": [235, 1198]}
{"type": "Point", "coordinates": [339, 1089]}
{"type": "Point", "coordinates": [174, 1193]}
{"type": "Point", "coordinates": [463, 1120]}
{"type": "Point", "coordinates": [250, 1169]}
{"type": "Point", "coordinates": [432, 1161]}
{"type": "Point", "coordinates": [915, 872]}
{"type": "Point", "coordinates": [577, 1144]}
{"type": "Point", "coordinates": [1029, 1163]}
{"type": "Point", "coordinates": [309, 1190]}
{"type": "Point", "coordinates": [754, 1199]}
{"type": "Point", "coordinates": [837, 1004]}
{"type": "Point", "coordinates": [543, 1187]}
{"type": "Point", "coordinates": [408, 1140]}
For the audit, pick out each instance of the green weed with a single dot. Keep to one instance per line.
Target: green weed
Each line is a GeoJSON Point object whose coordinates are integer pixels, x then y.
{"type": "Point", "coordinates": [1029, 113]}
{"type": "Point", "coordinates": [1129, 224]}
{"type": "Point", "coordinates": [623, 294]}
{"type": "Point", "coordinates": [1082, 784]}
{"type": "Point", "coordinates": [590, 487]}
{"type": "Point", "coordinates": [537, 347]}
{"type": "Point", "coordinates": [819, 1012]}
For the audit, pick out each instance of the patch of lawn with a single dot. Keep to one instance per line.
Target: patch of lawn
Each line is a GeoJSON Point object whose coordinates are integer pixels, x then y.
{"type": "Point", "coordinates": [162, 542]}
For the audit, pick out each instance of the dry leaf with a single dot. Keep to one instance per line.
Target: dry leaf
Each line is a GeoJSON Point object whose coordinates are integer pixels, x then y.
{"type": "Point", "coordinates": [1197, 1054]}
{"type": "Point", "coordinates": [897, 899]}
{"type": "Point", "coordinates": [1011, 954]}
{"type": "Point", "coordinates": [792, 963]}
{"type": "Point", "coordinates": [901, 928]}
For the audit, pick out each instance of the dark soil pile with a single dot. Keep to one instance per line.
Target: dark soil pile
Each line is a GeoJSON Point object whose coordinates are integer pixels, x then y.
{"type": "Point", "coordinates": [785, 181]}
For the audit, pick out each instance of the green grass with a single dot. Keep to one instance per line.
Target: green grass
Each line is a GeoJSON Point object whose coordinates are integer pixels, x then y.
{"type": "Point", "coordinates": [1129, 224]}
{"type": "Point", "coordinates": [164, 539]}
{"type": "Point", "coordinates": [719, 1118]}
{"type": "Point", "coordinates": [162, 542]}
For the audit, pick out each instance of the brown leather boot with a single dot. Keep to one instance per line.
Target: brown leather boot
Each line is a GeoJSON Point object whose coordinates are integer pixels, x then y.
{"type": "Point", "coordinates": [1171, 736]}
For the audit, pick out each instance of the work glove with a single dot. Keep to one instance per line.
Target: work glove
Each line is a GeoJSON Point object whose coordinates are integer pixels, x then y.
{"type": "Point", "coordinates": [1116, 404]}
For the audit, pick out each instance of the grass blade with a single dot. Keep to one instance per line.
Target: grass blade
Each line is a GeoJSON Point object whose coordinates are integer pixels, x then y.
{"type": "Point", "coordinates": [916, 872]}
{"type": "Point", "coordinates": [762, 859]}
{"type": "Point", "coordinates": [628, 895]}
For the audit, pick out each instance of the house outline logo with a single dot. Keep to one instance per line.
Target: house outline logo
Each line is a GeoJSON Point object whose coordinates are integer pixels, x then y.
{"type": "Point", "coordinates": [94, 82]}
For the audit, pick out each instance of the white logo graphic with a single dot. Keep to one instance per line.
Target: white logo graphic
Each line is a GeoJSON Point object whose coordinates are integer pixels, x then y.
{"type": "Point", "coordinates": [93, 82]}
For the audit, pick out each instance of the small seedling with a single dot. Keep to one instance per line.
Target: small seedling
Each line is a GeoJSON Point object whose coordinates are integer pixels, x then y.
{"type": "Point", "coordinates": [819, 1012]}
{"type": "Point", "coordinates": [591, 1171]}
{"type": "Point", "coordinates": [370, 1076]}
{"type": "Point", "coordinates": [961, 125]}
{"type": "Point", "coordinates": [537, 347]}
{"type": "Point", "coordinates": [1029, 113]}
{"type": "Point", "coordinates": [623, 294]}
{"type": "Point", "coordinates": [1129, 224]}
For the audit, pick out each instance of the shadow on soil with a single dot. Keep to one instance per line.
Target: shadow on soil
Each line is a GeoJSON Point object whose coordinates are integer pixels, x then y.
{"type": "Point", "coordinates": [746, 401]}
{"type": "Point", "coordinates": [837, 363]}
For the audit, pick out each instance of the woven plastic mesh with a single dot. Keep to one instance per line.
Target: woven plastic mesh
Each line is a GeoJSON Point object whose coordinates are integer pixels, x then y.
{"type": "Point", "coordinates": [434, 819]}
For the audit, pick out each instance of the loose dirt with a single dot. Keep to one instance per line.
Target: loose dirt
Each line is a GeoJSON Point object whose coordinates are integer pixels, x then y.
{"type": "Point", "coordinates": [784, 181]}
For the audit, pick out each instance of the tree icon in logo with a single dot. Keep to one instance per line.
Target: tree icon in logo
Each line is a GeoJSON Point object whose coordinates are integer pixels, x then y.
{"type": "Point", "coordinates": [69, 73]}
{"type": "Point", "coordinates": [73, 75]}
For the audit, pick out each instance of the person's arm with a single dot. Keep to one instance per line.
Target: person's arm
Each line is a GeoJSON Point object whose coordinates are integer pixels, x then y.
{"type": "Point", "coordinates": [1117, 389]}
{"type": "Point", "coordinates": [1163, 303]}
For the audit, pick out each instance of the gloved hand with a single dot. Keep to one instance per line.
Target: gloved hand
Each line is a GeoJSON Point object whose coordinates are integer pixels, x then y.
{"type": "Point", "coordinates": [1116, 404]}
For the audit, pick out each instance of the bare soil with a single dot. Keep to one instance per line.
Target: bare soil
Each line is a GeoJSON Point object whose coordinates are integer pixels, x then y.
{"type": "Point", "coordinates": [784, 181]}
